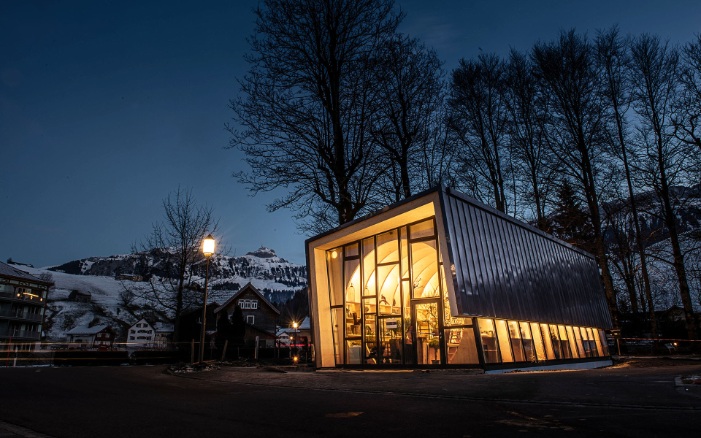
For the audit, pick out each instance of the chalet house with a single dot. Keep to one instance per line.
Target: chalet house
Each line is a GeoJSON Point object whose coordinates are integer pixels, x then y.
{"type": "Point", "coordinates": [259, 314]}
{"type": "Point", "coordinates": [80, 296]}
{"type": "Point", "coordinates": [146, 335]}
{"type": "Point", "coordinates": [164, 335]}
{"type": "Point", "coordinates": [22, 307]}
{"type": "Point", "coordinates": [141, 335]}
{"type": "Point", "coordinates": [299, 337]}
{"type": "Point", "coordinates": [97, 336]}
{"type": "Point", "coordinates": [191, 322]}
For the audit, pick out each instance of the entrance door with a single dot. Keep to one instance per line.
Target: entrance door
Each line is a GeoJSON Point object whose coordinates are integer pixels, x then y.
{"type": "Point", "coordinates": [390, 336]}
{"type": "Point", "coordinates": [426, 335]}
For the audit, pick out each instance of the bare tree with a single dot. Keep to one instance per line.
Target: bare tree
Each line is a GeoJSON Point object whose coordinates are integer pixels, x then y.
{"type": "Point", "coordinates": [531, 156]}
{"type": "Point", "coordinates": [566, 69]}
{"type": "Point", "coordinates": [687, 117]}
{"type": "Point", "coordinates": [655, 68]}
{"type": "Point", "coordinates": [478, 122]}
{"type": "Point", "coordinates": [613, 61]}
{"type": "Point", "coordinates": [306, 104]}
{"type": "Point", "coordinates": [177, 240]}
{"type": "Point", "coordinates": [410, 98]}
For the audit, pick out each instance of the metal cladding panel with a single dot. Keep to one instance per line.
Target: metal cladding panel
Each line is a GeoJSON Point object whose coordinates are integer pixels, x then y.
{"type": "Point", "coordinates": [507, 269]}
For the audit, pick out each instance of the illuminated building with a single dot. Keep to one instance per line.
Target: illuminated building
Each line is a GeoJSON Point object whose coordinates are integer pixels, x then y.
{"type": "Point", "coordinates": [443, 280]}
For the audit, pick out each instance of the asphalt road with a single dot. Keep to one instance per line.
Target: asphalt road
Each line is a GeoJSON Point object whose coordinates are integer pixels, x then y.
{"type": "Point", "coordinates": [622, 401]}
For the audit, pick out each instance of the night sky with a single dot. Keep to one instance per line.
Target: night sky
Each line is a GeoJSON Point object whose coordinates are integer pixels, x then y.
{"type": "Point", "coordinates": [106, 107]}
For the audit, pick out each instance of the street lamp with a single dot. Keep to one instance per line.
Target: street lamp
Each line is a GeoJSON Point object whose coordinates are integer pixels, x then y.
{"type": "Point", "coordinates": [207, 250]}
{"type": "Point", "coordinates": [296, 338]}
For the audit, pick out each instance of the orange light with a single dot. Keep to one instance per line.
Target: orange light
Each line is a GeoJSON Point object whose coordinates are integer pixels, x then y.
{"type": "Point", "coordinates": [208, 246]}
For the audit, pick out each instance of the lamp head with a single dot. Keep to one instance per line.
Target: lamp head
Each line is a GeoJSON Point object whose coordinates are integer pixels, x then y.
{"type": "Point", "coordinates": [208, 245]}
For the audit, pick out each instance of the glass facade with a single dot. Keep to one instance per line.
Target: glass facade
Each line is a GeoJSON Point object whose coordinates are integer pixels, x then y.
{"type": "Point", "coordinates": [388, 293]}
{"type": "Point", "coordinates": [389, 306]}
{"type": "Point", "coordinates": [442, 280]}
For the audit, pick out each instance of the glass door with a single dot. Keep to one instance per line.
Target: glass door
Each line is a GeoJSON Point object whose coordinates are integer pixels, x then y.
{"type": "Point", "coordinates": [426, 333]}
{"type": "Point", "coordinates": [390, 337]}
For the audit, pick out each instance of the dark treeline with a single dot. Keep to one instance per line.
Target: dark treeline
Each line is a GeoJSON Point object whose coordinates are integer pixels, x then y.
{"type": "Point", "coordinates": [593, 138]}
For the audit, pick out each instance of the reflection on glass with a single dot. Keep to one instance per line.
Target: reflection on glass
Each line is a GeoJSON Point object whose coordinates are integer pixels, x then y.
{"type": "Point", "coordinates": [555, 340]}
{"type": "Point", "coordinates": [602, 342]}
{"type": "Point", "coordinates": [538, 341]}
{"type": "Point", "coordinates": [580, 344]}
{"type": "Point", "coordinates": [391, 340]}
{"type": "Point", "coordinates": [516, 344]}
{"type": "Point", "coordinates": [337, 321]}
{"type": "Point", "coordinates": [527, 339]}
{"type": "Point", "coordinates": [564, 342]}
{"type": "Point", "coordinates": [427, 338]}
{"type": "Point", "coordinates": [353, 351]}
{"type": "Point", "coordinates": [489, 340]}
{"type": "Point", "coordinates": [460, 346]}
{"type": "Point", "coordinates": [335, 266]}
{"type": "Point", "coordinates": [390, 299]}
{"type": "Point", "coordinates": [503, 337]}
{"type": "Point", "coordinates": [572, 342]}
{"type": "Point", "coordinates": [351, 250]}
{"type": "Point", "coordinates": [387, 247]}
{"type": "Point", "coordinates": [425, 281]}
{"type": "Point", "coordinates": [421, 230]}
{"type": "Point", "coordinates": [370, 337]}
{"type": "Point", "coordinates": [404, 254]}
{"type": "Point", "coordinates": [368, 248]}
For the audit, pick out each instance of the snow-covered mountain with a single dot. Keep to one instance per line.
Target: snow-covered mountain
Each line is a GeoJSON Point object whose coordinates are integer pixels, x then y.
{"type": "Point", "coordinates": [119, 290]}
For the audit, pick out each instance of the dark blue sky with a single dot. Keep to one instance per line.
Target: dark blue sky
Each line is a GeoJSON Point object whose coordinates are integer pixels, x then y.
{"type": "Point", "coordinates": [108, 106]}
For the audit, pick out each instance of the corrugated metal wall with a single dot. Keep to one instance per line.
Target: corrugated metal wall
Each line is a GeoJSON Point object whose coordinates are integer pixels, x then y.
{"type": "Point", "coordinates": [508, 269]}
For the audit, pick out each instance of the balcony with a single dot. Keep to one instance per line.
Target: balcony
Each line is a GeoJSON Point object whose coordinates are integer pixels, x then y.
{"type": "Point", "coordinates": [29, 299]}
{"type": "Point", "coordinates": [20, 314]}
{"type": "Point", "coordinates": [21, 335]}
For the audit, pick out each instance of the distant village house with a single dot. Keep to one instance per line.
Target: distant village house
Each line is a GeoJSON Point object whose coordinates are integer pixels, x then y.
{"type": "Point", "coordinates": [259, 314]}
{"type": "Point", "coordinates": [146, 335]}
{"type": "Point", "coordinates": [79, 296]}
{"type": "Point", "coordinates": [98, 336]}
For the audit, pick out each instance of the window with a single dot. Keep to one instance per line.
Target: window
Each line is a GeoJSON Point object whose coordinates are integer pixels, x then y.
{"type": "Point", "coordinates": [250, 319]}
{"type": "Point", "coordinates": [489, 340]}
{"type": "Point", "coordinates": [248, 304]}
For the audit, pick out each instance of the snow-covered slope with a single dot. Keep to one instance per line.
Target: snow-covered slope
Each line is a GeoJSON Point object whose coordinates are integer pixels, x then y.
{"type": "Point", "coordinates": [121, 288]}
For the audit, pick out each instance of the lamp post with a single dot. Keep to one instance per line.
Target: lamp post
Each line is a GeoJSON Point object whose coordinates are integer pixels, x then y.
{"type": "Point", "coordinates": [296, 339]}
{"type": "Point", "coordinates": [207, 250]}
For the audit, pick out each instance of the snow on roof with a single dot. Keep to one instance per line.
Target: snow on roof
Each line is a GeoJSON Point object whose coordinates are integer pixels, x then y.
{"type": "Point", "coordinates": [11, 271]}
{"type": "Point", "coordinates": [85, 330]}
{"type": "Point", "coordinates": [251, 287]}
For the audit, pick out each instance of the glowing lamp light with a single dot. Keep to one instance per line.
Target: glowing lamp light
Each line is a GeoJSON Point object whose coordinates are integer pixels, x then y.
{"type": "Point", "coordinates": [207, 250]}
{"type": "Point", "coordinates": [295, 325]}
{"type": "Point", "coordinates": [208, 246]}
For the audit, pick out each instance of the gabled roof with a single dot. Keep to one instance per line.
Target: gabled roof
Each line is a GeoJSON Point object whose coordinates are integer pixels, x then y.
{"type": "Point", "coordinates": [85, 330]}
{"type": "Point", "coordinates": [140, 321]}
{"type": "Point", "coordinates": [10, 271]}
{"type": "Point", "coordinates": [235, 296]}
